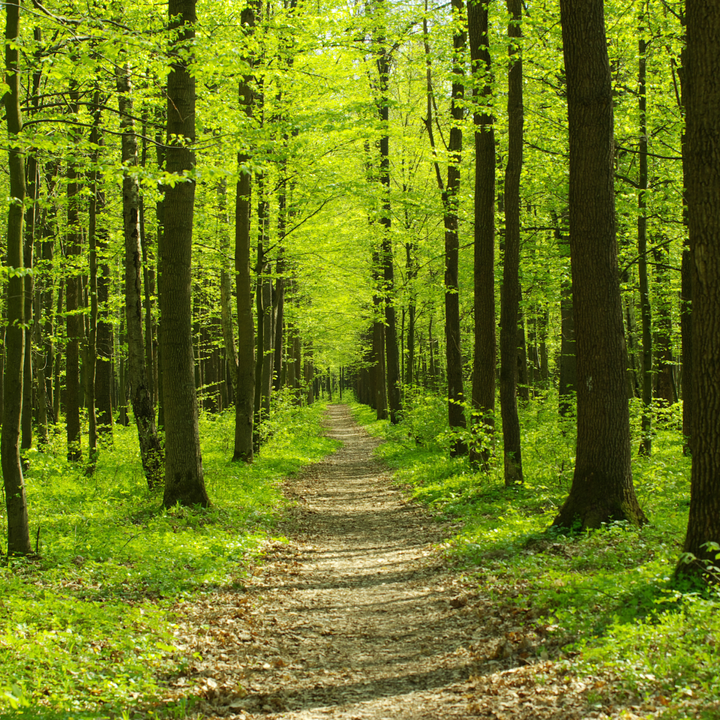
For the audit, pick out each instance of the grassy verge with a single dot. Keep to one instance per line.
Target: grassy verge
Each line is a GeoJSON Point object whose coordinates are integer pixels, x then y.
{"type": "Point", "coordinates": [604, 602]}
{"type": "Point", "coordinates": [86, 630]}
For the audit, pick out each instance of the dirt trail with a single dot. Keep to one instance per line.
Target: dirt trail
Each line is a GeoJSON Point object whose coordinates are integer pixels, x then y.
{"type": "Point", "coordinates": [357, 617]}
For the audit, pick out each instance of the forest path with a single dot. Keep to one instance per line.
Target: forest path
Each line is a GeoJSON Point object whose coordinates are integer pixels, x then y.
{"type": "Point", "coordinates": [357, 616]}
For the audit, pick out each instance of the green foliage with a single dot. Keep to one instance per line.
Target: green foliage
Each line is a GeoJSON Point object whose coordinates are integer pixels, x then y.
{"type": "Point", "coordinates": [606, 598]}
{"type": "Point", "coordinates": [89, 625]}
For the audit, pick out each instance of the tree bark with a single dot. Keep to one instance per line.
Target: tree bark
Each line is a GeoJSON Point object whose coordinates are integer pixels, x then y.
{"type": "Point", "coordinates": [451, 198]}
{"type": "Point", "coordinates": [151, 451]}
{"type": "Point", "coordinates": [73, 304]}
{"type": "Point", "coordinates": [602, 488]}
{"type": "Point", "coordinates": [483, 387]}
{"type": "Point", "coordinates": [702, 176]}
{"type": "Point", "coordinates": [91, 354]}
{"type": "Point", "coordinates": [184, 478]}
{"type": "Point", "coordinates": [15, 499]}
{"type": "Point", "coordinates": [245, 380]}
{"type": "Point", "coordinates": [513, 471]}
{"type": "Point", "coordinates": [392, 357]}
{"type": "Point", "coordinates": [645, 309]}
{"type": "Point", "coordinates": [32, 189]}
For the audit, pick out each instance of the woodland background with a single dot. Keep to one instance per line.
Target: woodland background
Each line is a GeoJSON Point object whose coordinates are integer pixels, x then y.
{"type": "Point", "coordinates": [220, 214]}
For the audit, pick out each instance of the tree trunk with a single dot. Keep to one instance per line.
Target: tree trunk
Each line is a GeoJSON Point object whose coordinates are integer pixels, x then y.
{"type": "Point", "coordinates": [392, 357]}
{"type": "Point", "coordinates": [645, 310]}
{"type": "Point", "coordinates": [309, 374]}
{"type": "Point", "coordinates": [451, 199]}
{"type": "Point", "coordinates": [72, 305]}
{"type": "Point", "coordinates": [483, 387]}
{"type": "Point", "coordinates": [184, 480]}
{"type": "Point", "coordinates": [151, 451]}
{"type": "Point", "coordinates": [32, 189]}
{"type": "Point", "coordinates": [226, 313]}
{"type": "Point", "coordinates": [665, 385]}
{"type": "Point", "coordinates": [91, 355]}
{"type": "Point", "coordinates": [522, 359]}
{"type": "Point", "coordinates": [702, 176]}
{"type": "Point", "coordinates": [411, 272]}
{"type": "Point", "coordinates": [602, 488]}
{"type": "Point", "coordinates": [512, 454]}
{"type": "Point", "coordinates": [245, 381]}
{"type": "Point", "coordinates": [15, 500]}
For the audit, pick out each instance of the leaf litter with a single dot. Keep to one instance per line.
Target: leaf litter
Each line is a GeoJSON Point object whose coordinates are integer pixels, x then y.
{"type": "Point", "coordinates": [358, 616]}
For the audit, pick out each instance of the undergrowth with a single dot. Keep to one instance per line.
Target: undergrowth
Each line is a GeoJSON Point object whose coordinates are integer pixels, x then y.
{"type": "Point", "coordinates": [86, 629]}
{"type": "Point", "coordinates": [609, 595]}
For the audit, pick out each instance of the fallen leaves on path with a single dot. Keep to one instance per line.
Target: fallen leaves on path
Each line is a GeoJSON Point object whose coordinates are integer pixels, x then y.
{"type": "Point", "coordinates": [358, 617]}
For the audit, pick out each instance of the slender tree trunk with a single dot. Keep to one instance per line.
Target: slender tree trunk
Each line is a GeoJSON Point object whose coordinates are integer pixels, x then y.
{"type": "Point", "coordinates": [104, 379]}
{"type": "Point", "coordinates": [151, 451]}
{"type": "Point", "coordinates": [392, 357]}
{"type": "Point", "coordinates": [483, 389]}
{"type": "Point", "coordinates": [32, 189]}
{"type": "Point", "coordinates": [184, 478]}
{"type": "Point", "coordinates": [450, 199]}
{"type": "Point", "coordinates": [279, 290]}
{"type": "Point", "coordinates": [161, 120]}
{"type": "Point", "coordinates": [226, 313]}
{"type": "Point", "coordinates": [149, 265]}
{"type": "Point", "coordinates": [511, 261]}
{"type": "Point", "coordinates": [522, 359]}
{"type": "Point", "coordinates": [602, 488]}
{"type": "Point", "coordinates": [665, 385]}
{"type": "Point", "coordinates": [93, 207]}
{"type": "Point", "coordinates": [15, 500]}
{"type": "Point", "coordinates": [268, 342]}
{"type": "Point", "coordinates": [645, 311]}
{"type": "Point", "coordinates": [44, 291]}
{"type": "Point", "coordinates": [245, 383]}
{"type": "Point", "coordinates": [57, 361]}
{"type": "Point", "coordinates": [309, 373]}
{"type": "Point", "coordinates": [73, 305]}
{"type": "Point", "coordinates": [702, 176]}
{"type": "Point", "coordinates": [411, 272]}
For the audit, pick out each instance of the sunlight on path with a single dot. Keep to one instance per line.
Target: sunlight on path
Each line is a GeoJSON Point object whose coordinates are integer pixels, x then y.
{"type": "Point", "coordinates": [357, 617]}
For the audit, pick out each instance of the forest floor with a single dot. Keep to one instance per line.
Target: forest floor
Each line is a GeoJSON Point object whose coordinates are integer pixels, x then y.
{"type": "Point", "coordinates": [359, 616]}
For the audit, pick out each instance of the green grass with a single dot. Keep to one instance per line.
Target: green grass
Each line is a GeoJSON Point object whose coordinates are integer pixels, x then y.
{"type": "Point", "coordinates": [87, 629]}
{"type": "Point", "coordinates": [608, 595]}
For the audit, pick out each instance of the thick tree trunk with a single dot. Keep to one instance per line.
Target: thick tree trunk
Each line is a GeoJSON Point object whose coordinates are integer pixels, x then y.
{"type": "Point", "coordinates": [184, 479]}
{"type": "Point", "coordinates": [151, 451]}
{"type": "Point", "coordinates": [15, 500]}
{"type": "Point", "coordinates": [702, 176]}
{"type": "Point", "coordinates": [512, 454]}
{"type": "Point", "coordinates": [602, 488]}
{"type": "Point", "coordinates": [483, 387]}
